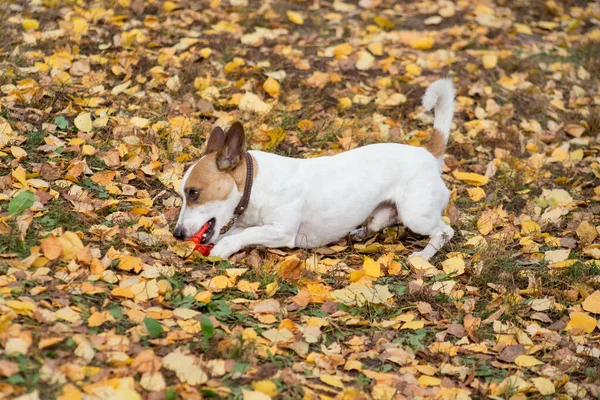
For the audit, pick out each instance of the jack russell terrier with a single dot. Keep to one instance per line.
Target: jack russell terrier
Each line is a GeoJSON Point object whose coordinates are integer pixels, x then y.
{"type": "Point", "coordinates": [235, 199]}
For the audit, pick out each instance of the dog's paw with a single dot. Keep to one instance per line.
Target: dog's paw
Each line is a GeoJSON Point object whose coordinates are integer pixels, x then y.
{"type": "Point", "coordinates": [224, 248]}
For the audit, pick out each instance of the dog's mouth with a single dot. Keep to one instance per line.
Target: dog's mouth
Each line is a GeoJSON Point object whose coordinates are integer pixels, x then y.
{"type": "Point", "coordinates": [206, 232]}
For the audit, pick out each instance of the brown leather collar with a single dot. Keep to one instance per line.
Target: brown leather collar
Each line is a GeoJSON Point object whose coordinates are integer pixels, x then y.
{"type": "Point", "coordinates": [243, 204]}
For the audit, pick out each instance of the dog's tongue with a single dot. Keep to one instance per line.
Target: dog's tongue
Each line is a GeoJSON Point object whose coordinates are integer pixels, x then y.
{"type": "Point", "coordinates": [204, 249]}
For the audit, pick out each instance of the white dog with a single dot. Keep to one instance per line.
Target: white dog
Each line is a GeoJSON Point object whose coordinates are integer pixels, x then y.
{"type": "Point", "coordinates": [253, 198]}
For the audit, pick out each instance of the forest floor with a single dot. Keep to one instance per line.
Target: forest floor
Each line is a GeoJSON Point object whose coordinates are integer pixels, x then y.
{"type": "Point", "coordinates": [103, 105]}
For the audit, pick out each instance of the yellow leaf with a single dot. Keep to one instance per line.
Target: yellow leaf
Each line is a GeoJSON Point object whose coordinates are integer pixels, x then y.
{"type": "Point", "coordinates": [233, 65]}
{"type": "Point", "coordinates": [67, 314]}
{"type": "Point", "coordinates": [235, 273]}
{"type": "Point", "coordinates": [80, 25]}
{"type": "Point", "coordinates": [205, 52]}
{"type": "Point", "coordinates": [203, 297]}
{"type": "Point", "coordinates": [419, 263]}
{"type": "Point", "coordinates": [345, 102]}
{"type": "Point", "coordinates": [51, 247]}
{"type": "Point", "coordinates": [71, 245]}
{"type": "Point", "coordinates": [476, 194]}
{"type": "Point", "coordinates": [87, 150]}
{"type": "Point", "coordinates": [544, 386]}
{"type": "Point", "coordinates": [218, 282]}
{"type": "Point", "coordinates": [413, 69]}
{"type": "Point", "coordinates": [21, 307]}
{"type": "Point", "coordinates": [342, 50]}
{"type": "Point", "coordinates": [29, 24]}
{"type": "Point", "coordinates": [169, 6]}
{"type": "Point", "coordinates": [272, 289]}
{"type": "Point", "coordinates": [413, 325]}
{"type": "Point", "coordinates": [425, 381]}
{"type": "Point", "coordinates": [332, 381]}
{"type": "Point", "coordinates": [586, 231]}
{"type": "Point", "coordinates": [521, 28]}
{"type": "Point", "coordinates": [254, 395]}
{"type": "Point", "coordinates": [383, 22]}
{"type": "Point", "coordinates": [50, 342]}
{"type": "Point", "coordinates": [122, 292]}
{"type": "Point", "coordinates": [574, 130]}
{"type": "Point", "coordinates": [20, 175]}
{"type": "Point", "coordinates": [295, 17]}
{"type": "Point", "coordinates": [251, 102]}
{"type": "Point", "coordinates": [103, 178]}
{"type": "Point", "coordinates": [376, 48]}
{"type": "Point", "coordinates": [144, 290]}
{"type": "Point", "coordinates": [186, 367]}
{"type": "Point", "coordinates": [128, 263]}
{"type": "Point", "coordinates": [305, 125]}
{"type": "Point", "coordinates": [190, 326]}
{"type": "Point", "coordinates": [96, 319]}
{"type": "Point", "coordinates": [267, 387]}
{"type": "Point", "coordinates": [470, 178]}
{"type": "Point", "coordinates": [272, 87]}
{"type": "Point", "coordinates": [422, 43]}
{"type": "Point", "coordinates": [353, 364]}
{"type": "Point", "coordinates": [16, 151]}
{"type": "Point", "coordinates": [528, 227]}
{"type": "Point", "coordinates": [359, 294]}
{"type": "Point", "coordinates": [395, 268]}
{"type": "Point", "coordinates": [489, 60]}
{"type": "Point", "coordinates": [527, 361]}
{"type": "Point", "coordinates": [583, 321]}
{"type": "Point", "coordinates": [592, 303]}
{"type": "Point", "coordinates": [372, 268]}
{"type": "Point", "coordinates": [454, 265]}
{"type": "Point", "coordinates": [83, 122]}
{"type": "Point", "coordinates": [365, 61]}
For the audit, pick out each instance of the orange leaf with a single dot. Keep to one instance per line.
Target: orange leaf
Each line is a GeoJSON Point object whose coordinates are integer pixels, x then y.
{"type": "Point", "coordinates": [51, 247]}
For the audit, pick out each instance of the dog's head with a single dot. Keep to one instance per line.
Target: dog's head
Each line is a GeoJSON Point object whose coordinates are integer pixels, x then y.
{"type": "Point", "coordinates": [209, 189]}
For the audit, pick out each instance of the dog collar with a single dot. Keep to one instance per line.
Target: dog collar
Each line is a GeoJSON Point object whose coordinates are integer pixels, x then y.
{"type": "Point", "coordinates": [243, 204]}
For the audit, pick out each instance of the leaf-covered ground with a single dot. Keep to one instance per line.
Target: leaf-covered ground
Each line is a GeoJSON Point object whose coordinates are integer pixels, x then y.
{"type": "Point", "coordinates": [103, 104]}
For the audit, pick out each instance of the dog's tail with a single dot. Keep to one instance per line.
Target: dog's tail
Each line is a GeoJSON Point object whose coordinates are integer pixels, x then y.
{"type": "Point", "coordinates": [440, 96]}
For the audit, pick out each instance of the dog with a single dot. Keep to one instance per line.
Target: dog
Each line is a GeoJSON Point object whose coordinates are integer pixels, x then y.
{"type": "Point", "coordinates": [242, 199]}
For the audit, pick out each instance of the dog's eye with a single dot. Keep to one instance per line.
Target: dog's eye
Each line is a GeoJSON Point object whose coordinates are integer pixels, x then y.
{"type": "Point", "coordinates": [193, 193]}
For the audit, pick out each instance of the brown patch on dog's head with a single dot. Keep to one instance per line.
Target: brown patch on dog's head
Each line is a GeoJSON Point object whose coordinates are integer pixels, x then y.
{"type": "Point", "coordinates": [206, 183]}
{"type": "Point", "coordinates": [223, 166]}
{"type": "Point", "coordinates": [436, 144]}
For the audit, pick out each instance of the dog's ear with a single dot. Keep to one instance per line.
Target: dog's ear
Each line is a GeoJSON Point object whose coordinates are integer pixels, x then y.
{"type": "Point", "coordinates": [232, 152]}
{"type": "Point", "coordinates": [215, 141]}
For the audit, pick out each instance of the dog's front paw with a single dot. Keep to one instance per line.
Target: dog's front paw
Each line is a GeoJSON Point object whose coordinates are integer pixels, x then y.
{"type": "Point", "coordinates": [224, 248]}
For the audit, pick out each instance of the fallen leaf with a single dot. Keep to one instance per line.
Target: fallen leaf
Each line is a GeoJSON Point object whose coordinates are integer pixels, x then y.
{"type": "Point", "coordinates": [582, 321]}
{"type": "Point", "coordinates": [295, 17]}
{"type": "Point", "coordinates": [83, 122]}
{"type": "Point", "coordinates": [592, 303]}
{"type": "Point", "coordinates": [527, 361]}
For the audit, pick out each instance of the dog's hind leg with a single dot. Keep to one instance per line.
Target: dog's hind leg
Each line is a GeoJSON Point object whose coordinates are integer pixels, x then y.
{"type": "Point", "coordinates": [383, 216]}
{"type": "Point", "coordinates": [439, 236]}
{"type": "Point", "coordinates": [421, 212]}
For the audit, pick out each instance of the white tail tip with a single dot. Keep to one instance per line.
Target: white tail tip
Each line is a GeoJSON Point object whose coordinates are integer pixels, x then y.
{"type": "Point", "coordinates": [440, 97]}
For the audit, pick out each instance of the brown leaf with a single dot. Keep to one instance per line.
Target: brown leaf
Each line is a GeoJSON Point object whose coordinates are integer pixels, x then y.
{"type": "Point", "coordinates": [511, 352]}
{"type": "Point", "coordinates": [50, 172]}
{"type": "Point", "coordinates": [457, 330]}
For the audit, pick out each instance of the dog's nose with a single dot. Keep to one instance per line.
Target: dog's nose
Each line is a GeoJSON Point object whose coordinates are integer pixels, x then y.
{"type": "Point", "coordinates": [178, 233]}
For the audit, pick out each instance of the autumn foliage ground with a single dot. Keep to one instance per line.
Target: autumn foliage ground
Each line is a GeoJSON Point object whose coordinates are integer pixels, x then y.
{"type": "Point", "coordinates": [103, 104]}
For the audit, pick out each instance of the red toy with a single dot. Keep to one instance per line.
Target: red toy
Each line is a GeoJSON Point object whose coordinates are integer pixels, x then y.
{"type": "Point", "coordinates": [204, 249]}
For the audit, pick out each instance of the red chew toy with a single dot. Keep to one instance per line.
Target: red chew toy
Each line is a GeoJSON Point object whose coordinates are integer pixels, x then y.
{"type": "Point", "coordinates": [204, 249]}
